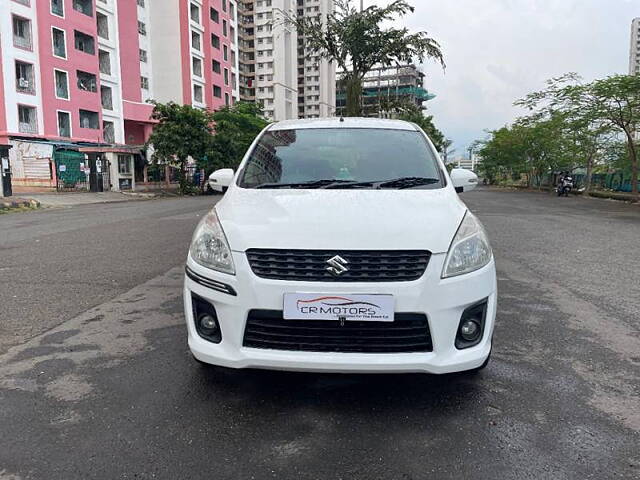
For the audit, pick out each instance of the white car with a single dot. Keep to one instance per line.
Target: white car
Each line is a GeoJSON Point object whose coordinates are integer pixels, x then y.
{"type": "Point", "coordinates": [341, 245]}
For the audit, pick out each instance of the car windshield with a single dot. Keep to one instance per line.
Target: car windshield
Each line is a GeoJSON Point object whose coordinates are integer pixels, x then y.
{"type": "Point", "coordinates": [341, 158]}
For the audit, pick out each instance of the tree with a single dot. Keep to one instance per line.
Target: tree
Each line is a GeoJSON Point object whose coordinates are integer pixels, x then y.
{"type": "Point", "coordinates": [356, 41]}
{"type": "Point", "coordinates": [533, 146]}
{"type": "Point", "coordinates": [182, 131]}
{"type": "Point", "coordinates": [235, 129]}
{"type": "Point", "coordinates": [425, 122]}
{"type": "Point", "coordinates": [613, 101]}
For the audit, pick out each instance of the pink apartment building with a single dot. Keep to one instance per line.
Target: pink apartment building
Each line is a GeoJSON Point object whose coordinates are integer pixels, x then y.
{"type": "Point", "coordinates": [77, 75]}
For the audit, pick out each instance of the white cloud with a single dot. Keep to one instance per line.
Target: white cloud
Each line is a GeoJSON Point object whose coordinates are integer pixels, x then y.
{"type": "Point", "coordinates": [499, 50]}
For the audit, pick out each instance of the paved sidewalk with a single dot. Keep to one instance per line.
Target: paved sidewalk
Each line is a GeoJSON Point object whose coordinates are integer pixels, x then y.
{"type": "Point", "coordinates": [83, 198]}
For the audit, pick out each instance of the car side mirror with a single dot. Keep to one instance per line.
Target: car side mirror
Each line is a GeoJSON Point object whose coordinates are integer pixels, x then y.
{"type": "Point", "coordinates": [463, 180]}
{"type": "Point", "coordinates": [222, 177]}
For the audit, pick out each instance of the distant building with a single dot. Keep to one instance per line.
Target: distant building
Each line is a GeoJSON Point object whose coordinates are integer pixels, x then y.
{"type": "Point", "coordinates": [634, 49]}
{"type": "Point", "coordinates": [386, 87]}
{"type": "Point", "coordinates": [468, 163]}
{"type": "Point", "coordinates": [276, 69]}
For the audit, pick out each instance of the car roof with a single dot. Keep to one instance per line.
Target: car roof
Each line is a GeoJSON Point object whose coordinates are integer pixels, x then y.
{"type": "Point", "coordinates": [346, 122]}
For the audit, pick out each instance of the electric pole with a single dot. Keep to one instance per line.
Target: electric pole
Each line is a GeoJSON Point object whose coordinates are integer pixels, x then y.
{"type": "Point", "coordinates": [361, 5]}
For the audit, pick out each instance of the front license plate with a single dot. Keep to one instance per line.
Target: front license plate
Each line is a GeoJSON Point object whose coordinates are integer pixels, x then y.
{"type": "Point", "coordinates": [312, 306]}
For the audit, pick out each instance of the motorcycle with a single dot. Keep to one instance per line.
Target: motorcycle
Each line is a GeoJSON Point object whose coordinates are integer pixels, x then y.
{"type": "Point", "coordinates": [565, 186]}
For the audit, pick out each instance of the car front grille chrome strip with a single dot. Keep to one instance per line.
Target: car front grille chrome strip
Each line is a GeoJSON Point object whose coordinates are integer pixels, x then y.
{"type": "Point", "coordinates": [209, 283]}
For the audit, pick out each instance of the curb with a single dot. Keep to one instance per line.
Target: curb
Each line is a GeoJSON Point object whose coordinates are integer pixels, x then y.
{"type": "Point", "coordinates": [604, 195]}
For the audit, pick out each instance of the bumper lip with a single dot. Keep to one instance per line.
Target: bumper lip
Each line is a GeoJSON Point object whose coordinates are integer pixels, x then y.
{"type": "Point", "coordinates": [441, 300]}
{"type": "Point", "coordinates": [339, 362]}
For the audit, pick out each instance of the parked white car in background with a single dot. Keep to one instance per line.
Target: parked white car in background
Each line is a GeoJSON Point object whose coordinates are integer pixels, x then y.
{"type": "Point", "coordinates": [342, 245]}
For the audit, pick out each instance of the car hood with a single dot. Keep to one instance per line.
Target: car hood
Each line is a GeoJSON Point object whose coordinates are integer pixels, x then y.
{"type": "Point", "coordinates": [341, 219]}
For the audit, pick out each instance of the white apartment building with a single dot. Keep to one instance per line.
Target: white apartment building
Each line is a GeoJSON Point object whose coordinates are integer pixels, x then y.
{"type": "Point", "coordinates": [316, 76]}
{"type": "Point", "coordinates": [634, 49]}
{"type": "Point", "coordinates": [275, 53]}
{"type": "Point", "coordinates": [275, 68]}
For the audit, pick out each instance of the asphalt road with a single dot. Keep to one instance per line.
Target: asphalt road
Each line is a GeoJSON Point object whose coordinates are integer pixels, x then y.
{"type": "Point", "coordinates": [96, 380]}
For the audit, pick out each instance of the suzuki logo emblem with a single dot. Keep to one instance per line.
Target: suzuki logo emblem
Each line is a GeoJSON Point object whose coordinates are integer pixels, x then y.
{"type": "Point", "coordinates": [337, 265]}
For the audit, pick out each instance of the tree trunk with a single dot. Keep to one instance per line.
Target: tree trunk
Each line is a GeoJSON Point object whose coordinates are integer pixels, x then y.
{"type": "Point", "coordinates": [634, 164]}
{"type": "Point", "coordinates": [587, 179]}
{"type": "Point", "coordinates": [353, 85]}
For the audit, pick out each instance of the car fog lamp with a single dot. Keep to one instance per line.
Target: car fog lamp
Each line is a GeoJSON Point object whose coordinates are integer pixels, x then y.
{"type": "Point", "coordinates": [207, 322]}
{"type": "Point", "coordinates": [470, 330]}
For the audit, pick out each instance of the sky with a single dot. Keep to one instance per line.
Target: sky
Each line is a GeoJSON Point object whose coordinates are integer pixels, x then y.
{"type": "Point", "coordinates": [497, 51]}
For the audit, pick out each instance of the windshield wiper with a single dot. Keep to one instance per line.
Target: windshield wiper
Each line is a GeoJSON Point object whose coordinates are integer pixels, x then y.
{"type": "Point", "coordinates": [408, 182]}
{"type": "Point", "coordinates": [310, 184]}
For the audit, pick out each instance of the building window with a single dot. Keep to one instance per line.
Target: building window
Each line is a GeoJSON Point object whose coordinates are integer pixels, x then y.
{"type": "Point", "coordinates": [108, 132]}
{"type": "Point", "coordinates": [195, 41]}
{"type": "Point", "coordinates": [24, 78]}
{"type": "Point", "coordinates": [103, 25]}
{"type": "Point", "coordinates": [196, 64]}
{"type": "Point", "coordinates": [215, 16]}
{"type": "Point", "coordinates": [144, 83]}
{"type": "Point", "coordinates": [59, 43]}
{"type": "Point", "coordinates": [62, 84]}
{"type": "Point", "coordinates": [143, 56]}
{"type": "Point", "coordinates": [197, 93]}
{"type": "Point", "coordinates": [86, 81]}
{"type": "Point", "coordinates": [124, 164]}
{"type": "Point", "coordinates": [22, 32]}
{"type": "Point", "coordinates": [106, 97]}
{"type": "Point", "coordinates": [224, 5]}
{"type": "Point", "coordinates": [83, 6]}
{"type": "Point", "coordinates": [104, 62]}
{"type": "Point", "coordinates": [226, 76]}
{"type": "Point", "coordinates": [194, 13]}
{"type": "Point", "coordinates": [216, 66]}
{"type": "Point", "coordinates": [232, 11]}
{"type": "Point", "coordinates": [225, 53]}
{"type": "Point", "coordinates": [217, 91]}
{"type": "Point", "coordinates": [84, 42]}
{"type": "Point", "coordinates": [142, 28]}
{"type": "Point", "coordinates": [89, 119]}
{"type": "Point", "coordinates": [57, 7]}
{"type": "Point", "coordinates": [141, 3]}
{"type": "Point", "coordinates": [64, 124]}
{"type": "Point", "coordinates": [224, 28]}
{"type": "Point", "coordinates": [27, 122]}
{"type": "Point", "coordinates": [215, 41]}
{"type": "Point", "coordinates": [227, 99]}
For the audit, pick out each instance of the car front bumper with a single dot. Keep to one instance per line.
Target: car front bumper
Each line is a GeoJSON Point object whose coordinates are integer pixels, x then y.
{"type": "Point", "coordinates": [441, 300]}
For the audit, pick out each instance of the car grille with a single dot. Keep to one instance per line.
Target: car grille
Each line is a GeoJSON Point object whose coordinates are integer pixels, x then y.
{"type": "Point", "coordinates": [363, 265]}
{"type": "Point", "coordinates": [409, 332]}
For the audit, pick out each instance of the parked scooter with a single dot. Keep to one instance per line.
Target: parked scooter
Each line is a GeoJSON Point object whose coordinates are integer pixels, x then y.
{"type": "Point", "coordinates": [565, 185]}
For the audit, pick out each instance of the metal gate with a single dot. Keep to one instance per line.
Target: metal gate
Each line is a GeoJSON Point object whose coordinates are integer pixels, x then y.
{"type": "Point", "coordinates": [5, 176]}
{"type": "Point", "coordinates": [70, 171]}
{"type": "Point", "coordinates": [99, 168]}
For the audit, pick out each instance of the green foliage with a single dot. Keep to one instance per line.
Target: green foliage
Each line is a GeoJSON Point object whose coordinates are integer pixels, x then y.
{"type": "Point", "coordinates": [182, 131]}
{"type": "Point", "coordinates": [595, 110]}
{"type": "Point", "coordinates": [415, 115]}
{"type": "Point", "coordinates": [532, 147]}
{"type": "Point", "coordinates": [357, 42]}
{"type": "Point", "coordinates": [235, 129]}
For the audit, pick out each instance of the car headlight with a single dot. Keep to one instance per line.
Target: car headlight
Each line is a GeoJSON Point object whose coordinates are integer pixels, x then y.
{"type": "Point", "coordinates": [209, 246]}
{"type": "Point", "coordinates": [469, 250]}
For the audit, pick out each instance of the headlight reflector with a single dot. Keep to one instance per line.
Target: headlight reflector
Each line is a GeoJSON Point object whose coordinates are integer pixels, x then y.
{"type": "Point", "coordinates": [469, 250]}
{"type": "Point", "coordinates": [209, 246]}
